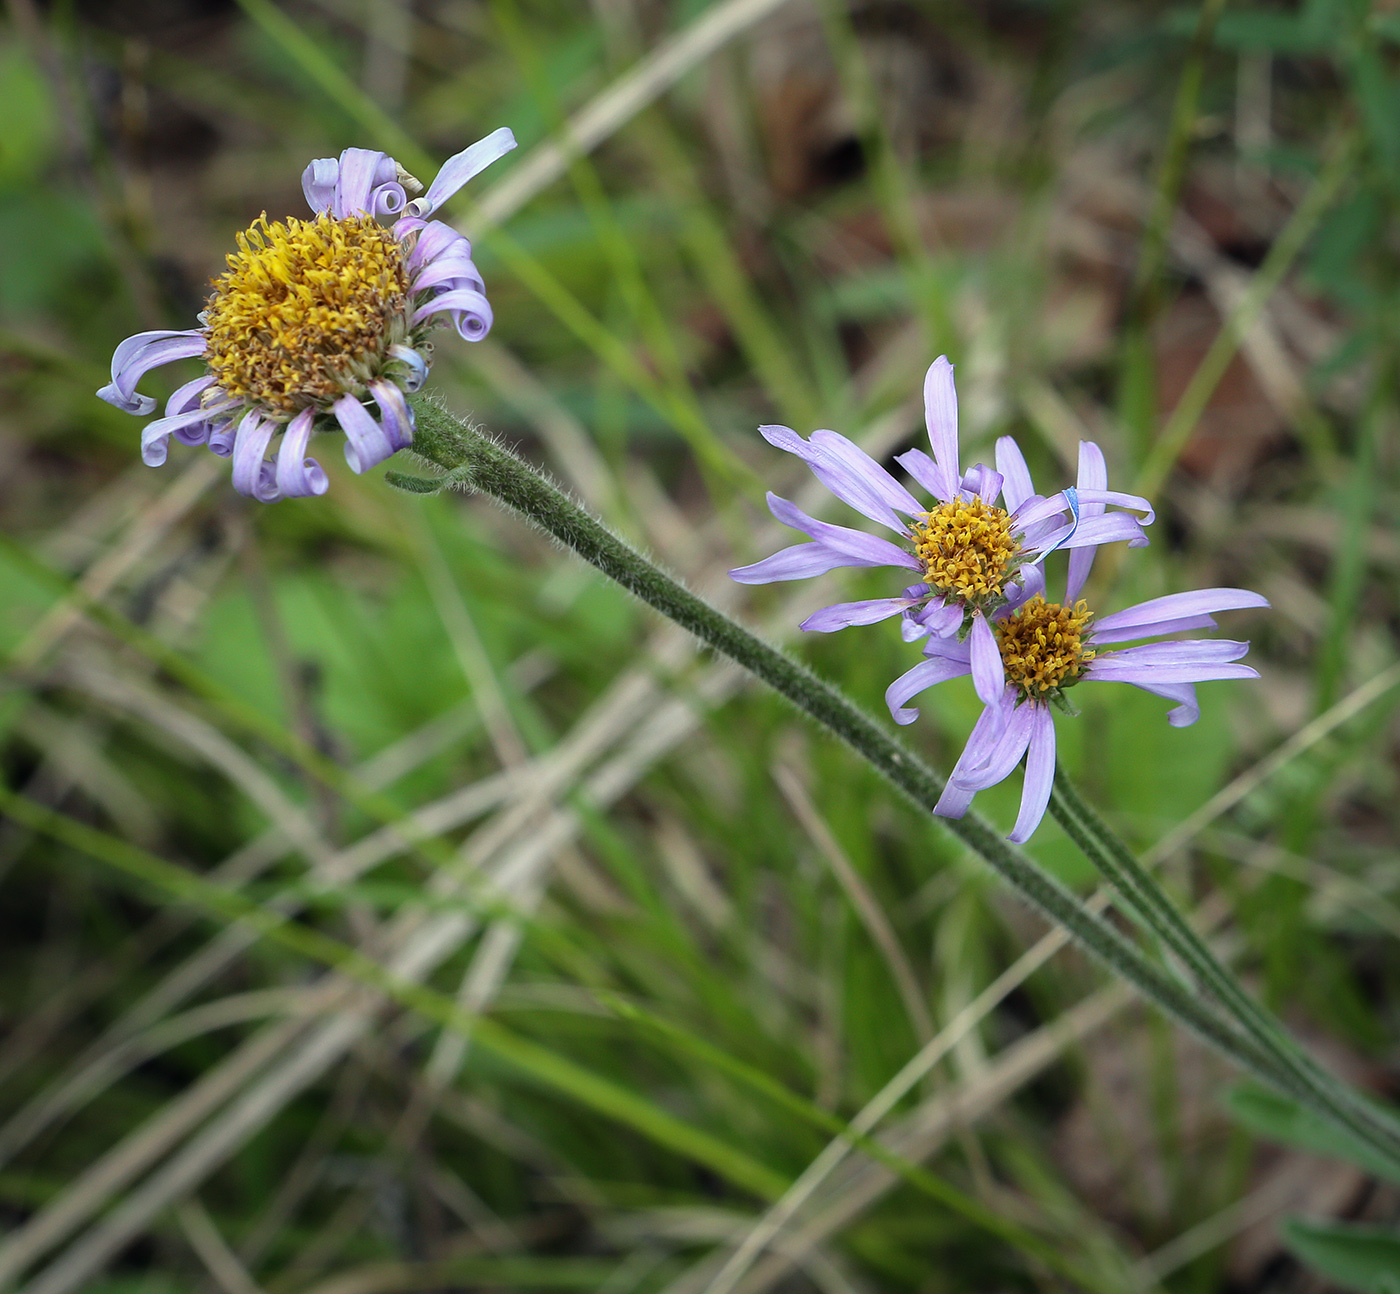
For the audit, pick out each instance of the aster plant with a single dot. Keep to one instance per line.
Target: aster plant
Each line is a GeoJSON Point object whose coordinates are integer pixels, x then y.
{"type": "Point", "coordinates": [319, 325]}
{"type": "Point", "coordinates": [323, 324]}
{"type": "Point", "coordinates": [978, 548]}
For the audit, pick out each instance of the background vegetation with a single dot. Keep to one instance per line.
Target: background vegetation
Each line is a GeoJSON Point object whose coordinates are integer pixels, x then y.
{"type": "Point", "coordinates": [698, 937]}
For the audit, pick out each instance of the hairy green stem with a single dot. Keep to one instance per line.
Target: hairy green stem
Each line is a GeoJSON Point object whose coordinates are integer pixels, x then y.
{"type": "Point", "coordinates": [1118, 865]}
{"type": "Point", "coordinates": [473, 461]}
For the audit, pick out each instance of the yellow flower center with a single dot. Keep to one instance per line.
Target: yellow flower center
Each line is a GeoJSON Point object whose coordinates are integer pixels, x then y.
{"type": "Point", "coordinates": [307, 310]}
{"type": "Point", "coordinates": [1042, 645]}
{"type": "Point", "coordinates": [966, 549]}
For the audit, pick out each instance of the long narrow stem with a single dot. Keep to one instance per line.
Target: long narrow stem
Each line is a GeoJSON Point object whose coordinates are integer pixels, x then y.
{"type": "Point", "coordinates": [475, 462]}
{"type": "Point", "coordinates": [1127, 875]}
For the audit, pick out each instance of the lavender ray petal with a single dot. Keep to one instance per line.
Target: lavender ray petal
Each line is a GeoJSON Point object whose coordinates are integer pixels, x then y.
{"type": "Point", "coordinates": [842, 615]}
{"type": "Point", "coordinates": [924, 675]}
{"type": "Point", "coordinates": [1006, 753]}
{"type": "Point", "coordinates": [938, 620]}
{"type": "Point", "coordinates": [448, 272]}
{"type": "Point", "coordinates": [396, 416]}
{"type": "Point", "coordinates": [297, 476]}
{"type": "Point", "coordinates": [1144, 674]}
{"type": "Point", "coordinates": [1180, 653]}
{"type": "Point", "coordinates": [1128, 632]}
{"type": "Point", "coordinates": [365, 441]}
{"type": "Point", "coordinates": [1040, 774]}
{"type": "Point", "coordinates": [848, 472]}
{"type": "Point", "coordinates": [1093, 476]}
{"type": "Point", "coordinates": [941, 417]}
{"type": "Point", "coordinates": [137, 355]}
{"type": "Point", "coordinates": [1011, 463]}
{"type": "Point", "coordinates": [249, 447]}
{"type": "Point", "coordinates": [982, 481]}
{"type": "Point", "coordinates": [461, 167]}
{"type": "Point", "coordinates": [155, 435]}
{"type": "Point", "coordinates": [1035, 512]}
{"type": "Point", "coordinates": [1189, 708]}
{"type": "Point", "coordinates": [1030, 581]}
{"type": "Point", "coordinates": [434, 239]}
{"type": "Point", "coordinates": [1100, 498]}
{"type": "Point", "coordinates": [800, 562]}
{"type": "Point", "coordinates": [355, 180]}
{"type": "Point", "coordinates": [1107, 529]}
{"type": "Point", "coordinates": [988, 675]}
{"type": "Point", "coordinates": [924, 470]}
{"type": "Point", "coordinates": [222, 435]}
{"type": "Point", "coordinates": [388, 199]}
{"type": "Point", "coordinates": [185, 398]}
{"type": "Point", "coordinates": [416, 364]}
{"type": "Point", "coordinates": [846, 451]}
{"type": "Point", "coordinates": [861, 549]}
{"type": "Point", "coordinates": [318, 183]}
{"type": "Point", "coordinates": [981, 742]}
{"type": "Point", "coordinates": [1145, 616]}
{"type": "Point", "coordinates": [471, 312]}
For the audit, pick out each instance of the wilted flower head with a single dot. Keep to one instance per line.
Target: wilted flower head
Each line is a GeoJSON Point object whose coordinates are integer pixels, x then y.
{"type": "Point", "coordinates": [972, 554]}
{"type": "Point", "coordinates": [1048, 647]}
{"type": "Point", "coordinates": [318, 324]}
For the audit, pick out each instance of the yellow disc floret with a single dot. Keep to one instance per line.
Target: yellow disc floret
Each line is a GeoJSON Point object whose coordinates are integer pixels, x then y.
{"type": "Point", "coordinates": [307, 310]}
{"type": "Point", "coordinates": [966, 549]}
{"type": "Point", "coordinates": [1043, 645]}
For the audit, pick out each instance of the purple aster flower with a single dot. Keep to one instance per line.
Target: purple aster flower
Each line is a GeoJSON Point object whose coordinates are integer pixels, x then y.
{"type": "Point", "coordinates": [1047, 648]}
{"type": "Point", "coordinates": [970, 553]}
{"type": "Point", "coordinates": [319, 324]}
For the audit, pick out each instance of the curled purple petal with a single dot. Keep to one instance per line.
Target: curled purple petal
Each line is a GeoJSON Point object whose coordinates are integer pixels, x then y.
{"type": "Point", "coordinates": [941, 416]}
{"type": "Point", "coordinates": [299, 477]}
{"type": "Point", "coordinates": [318, 183]}
{"type": "Point", "coordinates": [471, 312]}
{"type": "Point", "coordinates": [460, 168]}
{"type": "Point", "coordinates": [842, 615]}
{"type": "Point", "coordinates": [365, 442]}
{"type": "Point", "coordinates": [1011, 463]}
{"type": "Point", "coordinates": [155, 435]}
{"type": "Point", "coordinates": [924, 675]}
{"type": "Point", "coordinates": [396, 416]}
{"type": "Point", "coordinates": [450, 273]}
{"type": "Point", "coordinates": [222, 434]}
{"type": "Point", "coordinates": [137, 355]}
{"type": "Point", "coordinates": [988, 675]}
{"type": "Point", "coordinates": [1040, 774]}
{"type": "Point", "coordinates": [252, 474]}
{"type": "Point", "coordinates": [434, 240]}
{"type": "Point", "coordinates": [360, 171]}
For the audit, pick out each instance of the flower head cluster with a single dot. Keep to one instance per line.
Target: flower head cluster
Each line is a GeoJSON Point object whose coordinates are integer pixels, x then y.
{"type": "Point", "coordinates": [981, 607]}
{"type": "Point", "coordinates": [984, 538]}
{"type": "Point", "coordinates": [319, 324]}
